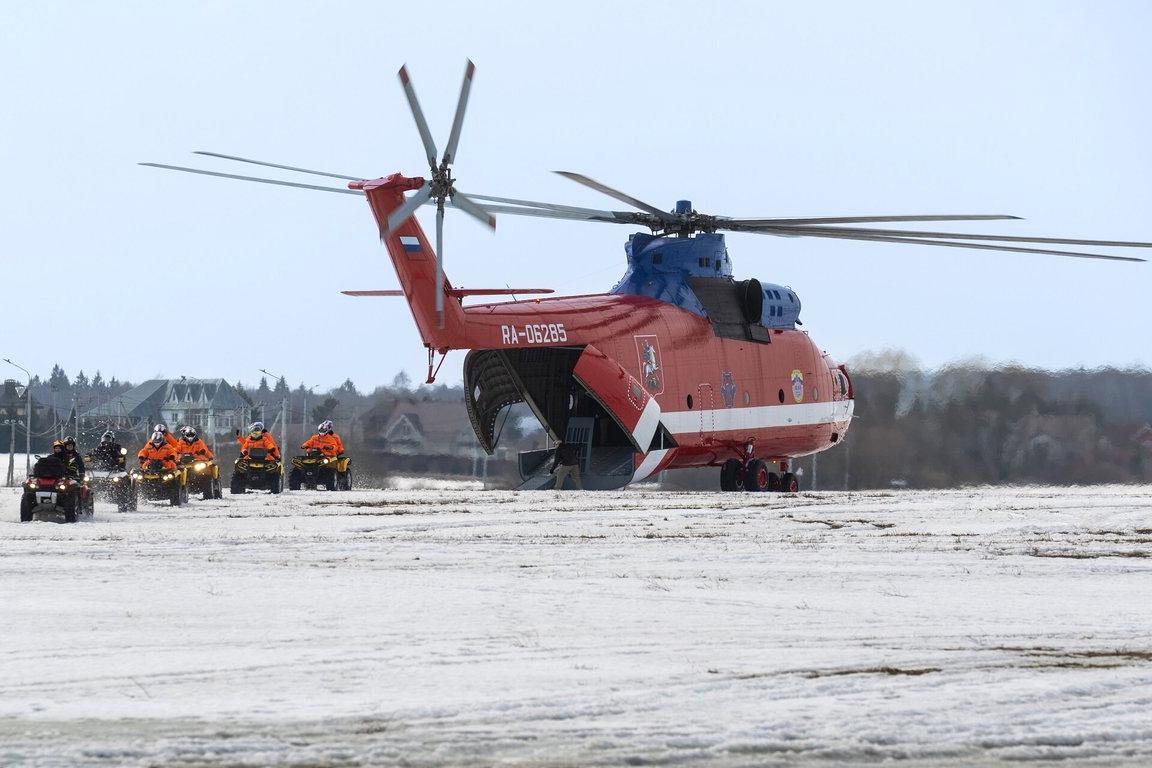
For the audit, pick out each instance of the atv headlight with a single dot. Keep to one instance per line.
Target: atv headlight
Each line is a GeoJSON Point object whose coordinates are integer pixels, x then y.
{"type": "Point", "coordinates": [123, 451]}
{"type": "Point", "coordinates": [115, 479]}
{"type": "Point", "coordinates": [200, 466]}
{"type": "Point", "coordinates": [167, 477]}
{"type": "Point", "coordinates": [325, 461]}
{"type": "Point", "coordinates": [61, 486]}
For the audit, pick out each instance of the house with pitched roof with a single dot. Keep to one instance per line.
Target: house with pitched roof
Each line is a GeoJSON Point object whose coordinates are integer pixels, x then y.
{"type": "Point", "coordinates": [212, 406]}
{"type": "Point", "coordinates": [415, 427]}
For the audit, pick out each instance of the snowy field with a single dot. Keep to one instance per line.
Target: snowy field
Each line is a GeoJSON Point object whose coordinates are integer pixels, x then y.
{"type": "Point", "coordinates": [468, 627]}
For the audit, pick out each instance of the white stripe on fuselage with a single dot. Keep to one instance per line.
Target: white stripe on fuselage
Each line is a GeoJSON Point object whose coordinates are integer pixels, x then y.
{"type": "Point", "coordinates": [646, 426]}
{"type": "Point", "coordinates": [759, 417]}
{"type": "Point", "coordinates": [649, 464]}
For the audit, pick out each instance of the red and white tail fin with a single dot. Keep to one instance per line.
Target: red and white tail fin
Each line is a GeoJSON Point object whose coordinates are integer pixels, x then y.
{"type": "Point", "coordinates": [415, 262]}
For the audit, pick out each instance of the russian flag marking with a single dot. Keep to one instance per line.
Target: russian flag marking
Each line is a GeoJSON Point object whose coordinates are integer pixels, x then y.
{"type": "Point", "coordinates": [411, 244]}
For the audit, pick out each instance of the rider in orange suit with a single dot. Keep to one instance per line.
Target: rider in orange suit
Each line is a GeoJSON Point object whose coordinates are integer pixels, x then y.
{"type": "Point", "coordinates": [258, 437]}
{"type": "Point", "coordinates": [189, 443]}
{"type": "Point", "coordinates": [168, 436]}
{"type": "Point", "coordinates": [325, 440]}
{"type": "Point", "coordinates": [157, 449]}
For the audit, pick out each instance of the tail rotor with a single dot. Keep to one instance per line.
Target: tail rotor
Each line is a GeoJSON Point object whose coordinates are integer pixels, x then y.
{"type": "Point", "coordinates": [440, 187]}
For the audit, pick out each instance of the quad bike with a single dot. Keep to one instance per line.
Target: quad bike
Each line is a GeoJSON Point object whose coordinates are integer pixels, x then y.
{"type": "Point", "coordinates": [51, 495]}
{"type": "Point", "coordinates": [255, 469]}
{"type": "Point", "coordinates": [159, 483]}
{"type": "Point", "coordinates": [110, 478]}
{"type": "Point", "coordinates": [203, 476]}
{"type": "Point", "coordinates": [314, 468]}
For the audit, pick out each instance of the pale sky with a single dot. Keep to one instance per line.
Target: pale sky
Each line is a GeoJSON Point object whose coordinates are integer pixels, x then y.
{"type": "Point", "coordinates": [1038, 109]}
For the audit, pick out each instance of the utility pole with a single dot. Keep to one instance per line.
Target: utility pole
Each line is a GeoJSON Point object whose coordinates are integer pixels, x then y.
{"type": "Point", "coordinates": [27, 418]}
{"type": "Point", "coordinates": [283, 407]}
{"type": "Point", "coordinates": [12, 422]}
{"type": "Point", "coordinates": [304, 413]}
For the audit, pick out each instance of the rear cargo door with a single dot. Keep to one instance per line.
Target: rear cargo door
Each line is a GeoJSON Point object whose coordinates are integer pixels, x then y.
{"type": "Point", "coordinates": [621, 395]}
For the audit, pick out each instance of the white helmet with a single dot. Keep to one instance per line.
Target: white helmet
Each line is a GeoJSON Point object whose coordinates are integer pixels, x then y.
{"type": "Point", "coordinates": [189, 434]}
{"type": "Point", "coordinates": [157, 438]}
{"type": "Point", "coordinates": [256, 426]}
{"type": "Point", "coordinates": [325, 428]}
{"type": "Point", "coordinates": [161, 428]}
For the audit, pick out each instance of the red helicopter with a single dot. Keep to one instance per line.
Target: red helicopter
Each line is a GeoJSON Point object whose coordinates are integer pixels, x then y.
{"type": "Point", "coordinates": [679, 365]}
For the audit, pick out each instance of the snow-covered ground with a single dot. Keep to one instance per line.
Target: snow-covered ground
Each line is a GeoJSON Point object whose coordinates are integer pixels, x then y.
{"type": "Point", "coordinates": [449, 626]}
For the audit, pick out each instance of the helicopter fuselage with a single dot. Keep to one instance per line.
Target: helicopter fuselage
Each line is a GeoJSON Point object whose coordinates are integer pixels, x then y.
{"type": "Point", "coordinates": [694, 373]}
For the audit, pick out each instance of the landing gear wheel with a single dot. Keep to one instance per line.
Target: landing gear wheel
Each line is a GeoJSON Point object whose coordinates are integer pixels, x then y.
{"type": "Point", "coordinates": [294, 480]}
{"type": "Point", "coordinates": [732, 475]}
{"type": "Point", "coordinates": [789, 483]}
{"type": "Point", "coordinates": [756, 476]}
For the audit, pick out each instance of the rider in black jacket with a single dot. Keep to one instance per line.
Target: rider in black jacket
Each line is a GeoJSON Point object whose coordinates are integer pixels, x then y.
{"type": "Point", "coordinates": [72, 459]}
{"type": "Point", "coordinates": [109, 455]}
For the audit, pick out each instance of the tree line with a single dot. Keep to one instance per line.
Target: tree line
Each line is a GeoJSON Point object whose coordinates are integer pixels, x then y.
{"type": "Point", "coordinates": [966, 423]}
{"type": "Point", "coordinates": [975, 423]}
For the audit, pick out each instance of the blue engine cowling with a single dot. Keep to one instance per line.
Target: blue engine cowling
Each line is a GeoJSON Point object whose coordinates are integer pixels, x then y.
{"type": "Point", "coordinates": [781, 307]}
{"type": "Point", "coordinates": [660, 267]}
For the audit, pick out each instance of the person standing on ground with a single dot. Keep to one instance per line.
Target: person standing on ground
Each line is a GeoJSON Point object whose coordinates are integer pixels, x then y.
{"type": "Point", "coordinates": [566, 463]}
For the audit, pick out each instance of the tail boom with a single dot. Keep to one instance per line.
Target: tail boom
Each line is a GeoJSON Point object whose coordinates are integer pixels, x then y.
{"type": "Point", "coordinates": [415, 262]}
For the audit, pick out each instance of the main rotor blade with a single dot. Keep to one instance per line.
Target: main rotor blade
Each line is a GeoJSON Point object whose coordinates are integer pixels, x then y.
{"type": "Point", "coordinates": [581, 179]}
{"type": "Point", "coordinates": [387, 292]}
{"type": "Point", "coordinates": [548, 206]}
{"type": "Point", "coordinates": [473, 209]}
{"type": "Point", "coordinates": [275, 165]}
{"type": "Point", "coordinates": [540, 213]}
{"type": "Point", "coordinates": [458, 120]}
{"type": "Point", "coordinates": [404, 212]}
{"type": "Point", "coordinates": [796, 232]}
{"type": "Point", "coordinates": [966, 236]}
{"type": "Point", "coordinates": [254, 178]}
{"type": "Point", "coordinates": [875, 219]}
{"type": "Point", "coordinates": [440, 266]}
{"type": "Point", "coordinates": [418, 114]}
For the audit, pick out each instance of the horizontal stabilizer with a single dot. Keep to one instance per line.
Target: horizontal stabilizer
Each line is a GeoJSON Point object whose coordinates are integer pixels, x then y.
{"type": "Point", "coordinates": [495, 291]}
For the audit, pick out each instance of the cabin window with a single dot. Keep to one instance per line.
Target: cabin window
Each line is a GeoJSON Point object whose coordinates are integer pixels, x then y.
{"type": "Point", "coordinates": [791, 298]}
{"type": "Point", "coordinates": [780, 394]}
{"type": "Point", "coordinates": [689, 402]}
{"type": "Point", "coordinates": [815, 393]}
{"type": "Point", "coordinates": [776, 294]}
{"type": "Point", "coordinates": [747, 397]}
